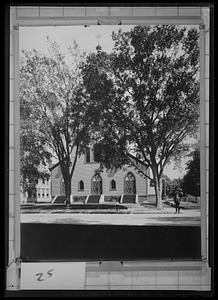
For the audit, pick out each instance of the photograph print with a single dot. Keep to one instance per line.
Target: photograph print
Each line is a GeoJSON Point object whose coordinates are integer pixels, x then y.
{"type": "Point", "coordinates": [110, 142]}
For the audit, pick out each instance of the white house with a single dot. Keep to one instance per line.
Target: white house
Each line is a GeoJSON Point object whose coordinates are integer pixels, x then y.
{"type": "Point", "coordinates": [43, 193]}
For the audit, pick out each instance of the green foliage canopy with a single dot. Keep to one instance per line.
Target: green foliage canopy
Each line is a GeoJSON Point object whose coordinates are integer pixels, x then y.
{"type": "Point", "coordinates": [54, 104]}
{"type": "Point", "coordinates": [146, 94]}
{"type": "Point", "coordinates": [191, 181]}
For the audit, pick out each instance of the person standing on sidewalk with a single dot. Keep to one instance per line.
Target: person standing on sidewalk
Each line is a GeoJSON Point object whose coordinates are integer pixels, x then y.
{"type": "Point", "coordinates": [177, 199]}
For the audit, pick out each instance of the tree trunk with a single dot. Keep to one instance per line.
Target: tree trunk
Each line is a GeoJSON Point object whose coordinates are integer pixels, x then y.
{"type": "Point", "coordinates": [68, 191]}
{"type": "Point", "coordinates": [29, 196]}
{"type": "Point", "coordinates": [67, 175]}
{"type": "Point", "coordinates": [158, 189]}
{"type": "Point", "coordinates": [158, 192]}
{"type": "Point", "coordinates": [67, 184]}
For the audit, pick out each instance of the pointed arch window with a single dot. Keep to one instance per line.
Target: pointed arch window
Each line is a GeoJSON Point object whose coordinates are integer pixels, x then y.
{"type": "Point", "coordinates": [113, 185]}
{"type": "Point", "coordinates": [81, 185]}
{"type": "Point", "coordinates": [96, 184]}
{"type": "Point", "coordinates": [88, 156]}
{"type": "Point", "coordinates": [129, 184]}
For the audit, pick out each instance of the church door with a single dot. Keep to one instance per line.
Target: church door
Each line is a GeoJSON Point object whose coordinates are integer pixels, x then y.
{"type": "Point", "coordinates": [96, 185]}
{"type": "Point", "coordinates": [130, 184]}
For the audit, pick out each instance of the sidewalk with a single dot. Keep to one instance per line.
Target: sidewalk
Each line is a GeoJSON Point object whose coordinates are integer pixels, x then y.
{"type": "Point", "coordinates": [114, 209]}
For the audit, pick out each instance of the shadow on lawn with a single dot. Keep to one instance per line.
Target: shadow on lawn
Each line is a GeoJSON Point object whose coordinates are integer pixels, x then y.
{"type": "Point", "coordinates": [54, 242]}
{"type": "Point", "coordinates": [179, 219]}
{"type": "Point", "coordinates": [183, 205]}
{"type": "Point", "coordinates": [74, 208]}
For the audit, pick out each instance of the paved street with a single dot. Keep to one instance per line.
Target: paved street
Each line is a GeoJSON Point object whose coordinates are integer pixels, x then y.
{"type": "Point", "coordinates": [135, 217]}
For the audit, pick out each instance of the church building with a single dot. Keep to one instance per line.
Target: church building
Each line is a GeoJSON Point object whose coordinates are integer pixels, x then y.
{"type": "Point", "coordinates": [89, 185]}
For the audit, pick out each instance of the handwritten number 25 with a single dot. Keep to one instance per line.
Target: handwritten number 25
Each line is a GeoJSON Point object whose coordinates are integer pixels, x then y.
{"type": "Point", "coordinates": [40, 275]}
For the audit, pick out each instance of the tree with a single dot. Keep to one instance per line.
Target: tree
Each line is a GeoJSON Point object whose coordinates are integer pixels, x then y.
{"type": "Point", "coordinates": [52, 98]}
{"type": "Point", "coordinates": [173, 185]}
{"type": "Point", "coordinates": [191, 180]}
{"type": "Point", "coordinates": [147, 96]}
{"type": "Point", "coordinates": [33, 155]}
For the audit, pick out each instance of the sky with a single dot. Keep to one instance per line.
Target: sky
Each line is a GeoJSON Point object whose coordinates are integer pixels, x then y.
{"type": "Point", "coordinates": [87, 38]}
